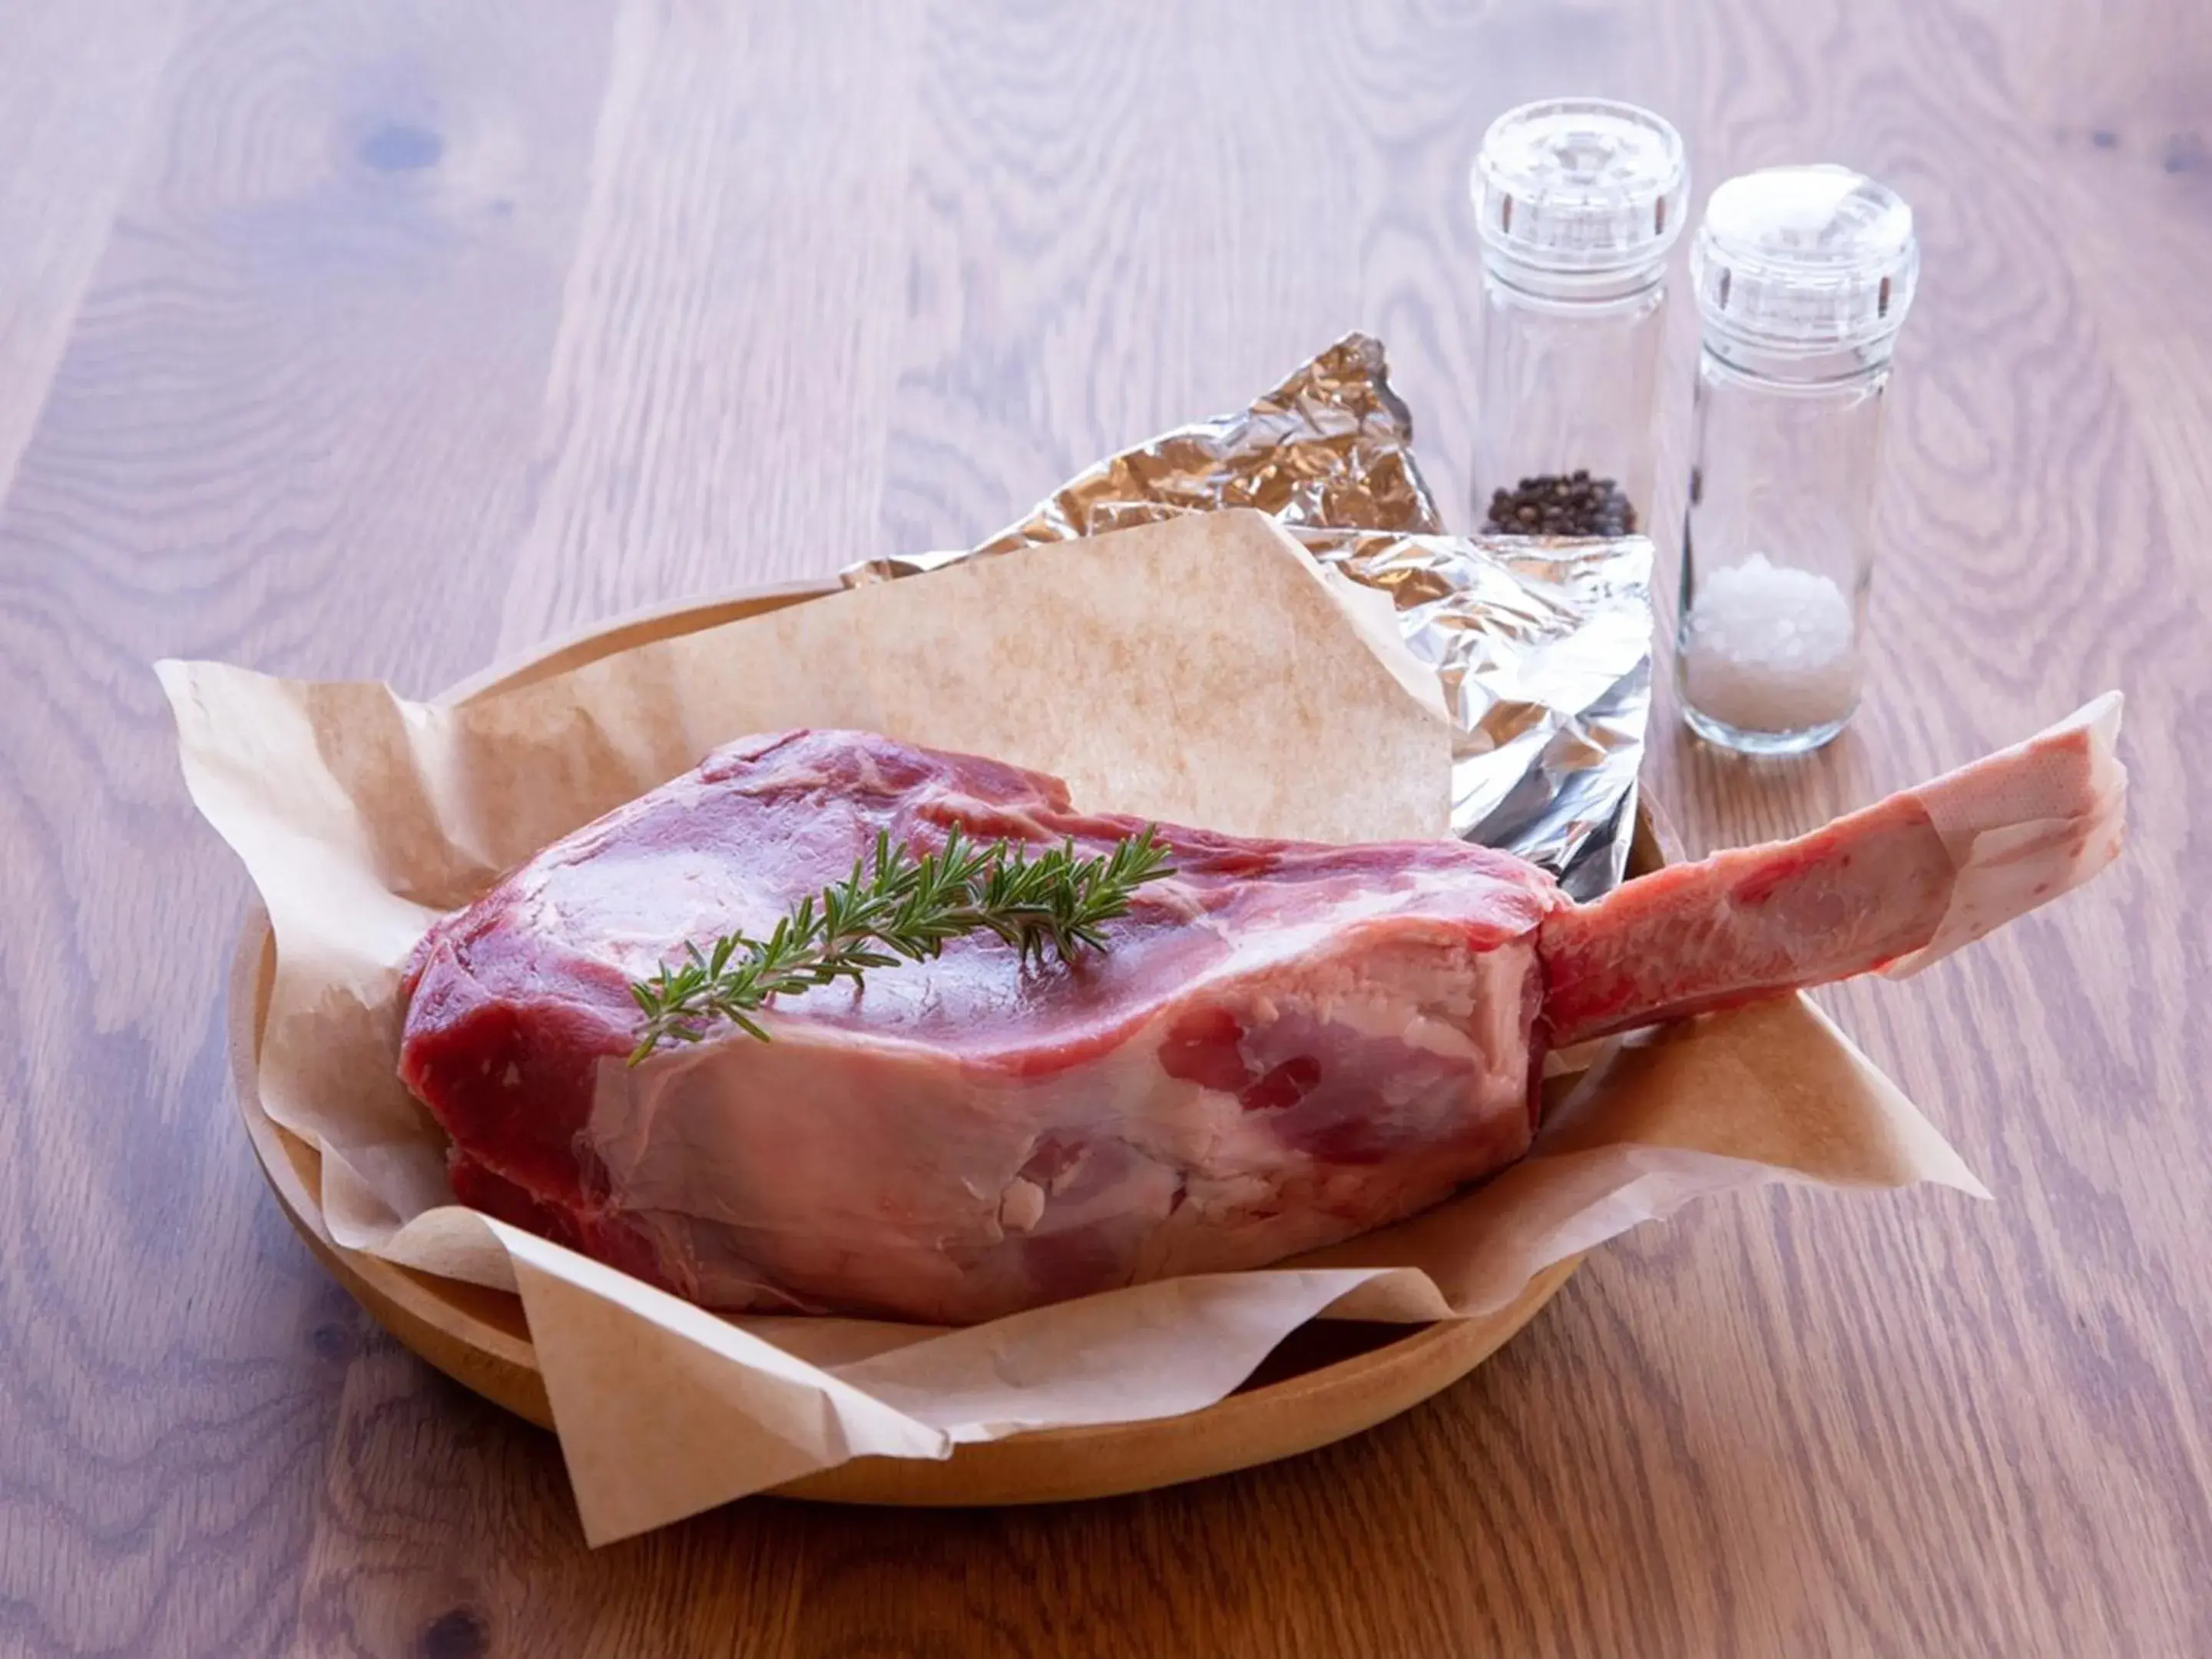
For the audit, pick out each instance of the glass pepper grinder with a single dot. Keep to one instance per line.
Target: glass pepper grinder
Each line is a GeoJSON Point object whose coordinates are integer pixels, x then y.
{"type": "Point", "coordinates": [1803, 275]}
{"type": "Point", "coordinates": [1579, 200]}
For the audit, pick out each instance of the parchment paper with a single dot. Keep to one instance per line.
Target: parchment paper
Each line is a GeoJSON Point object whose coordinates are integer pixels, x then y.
{"type": "Point", "coordinates": [361, 815]}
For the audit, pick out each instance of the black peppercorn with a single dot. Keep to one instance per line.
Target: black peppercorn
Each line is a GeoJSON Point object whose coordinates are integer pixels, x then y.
{"type": "Point", "coordinates": [1561, 504]}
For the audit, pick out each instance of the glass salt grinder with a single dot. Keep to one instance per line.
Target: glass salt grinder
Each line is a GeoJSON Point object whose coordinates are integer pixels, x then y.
{"type": "Point", "coordinates": [1578, 200]}
{"type": "Point", "coordinates": [1803, 275]}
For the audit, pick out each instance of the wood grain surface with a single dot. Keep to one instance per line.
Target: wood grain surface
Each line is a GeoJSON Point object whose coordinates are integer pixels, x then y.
{"type": "Point", "coordinates": [373, 340]}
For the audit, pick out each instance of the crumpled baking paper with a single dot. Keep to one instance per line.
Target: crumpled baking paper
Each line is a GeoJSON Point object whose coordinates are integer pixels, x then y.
{"type": "Point", "coordinates": [361, 815]}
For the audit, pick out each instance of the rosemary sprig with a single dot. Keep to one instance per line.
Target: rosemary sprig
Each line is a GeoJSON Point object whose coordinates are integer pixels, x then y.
{"type": "Point", "coordinates": [900, 906]}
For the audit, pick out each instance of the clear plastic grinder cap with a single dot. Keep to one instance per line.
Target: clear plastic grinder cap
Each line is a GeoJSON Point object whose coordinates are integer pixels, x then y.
{"type": "Point", "coordinates": [1805, 260]}
{"type": "Point", "coordinates": [1580, 185]}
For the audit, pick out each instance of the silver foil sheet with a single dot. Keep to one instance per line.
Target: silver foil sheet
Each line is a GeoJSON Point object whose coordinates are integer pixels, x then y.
{"type": "Point", "coordinates": [1543, 647]}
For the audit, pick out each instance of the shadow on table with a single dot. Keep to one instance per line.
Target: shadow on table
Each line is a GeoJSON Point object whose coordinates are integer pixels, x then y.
{"type": "Point", "coordinates": [1548, 1503]}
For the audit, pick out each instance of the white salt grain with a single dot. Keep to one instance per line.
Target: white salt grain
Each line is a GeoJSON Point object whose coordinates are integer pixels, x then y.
{"type": "Point", "coordinates": [1771, 648]}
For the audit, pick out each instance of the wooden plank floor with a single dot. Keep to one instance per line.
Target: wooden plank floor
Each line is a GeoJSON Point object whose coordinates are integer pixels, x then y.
{"type": "Point", "coordinates": [378, 340]}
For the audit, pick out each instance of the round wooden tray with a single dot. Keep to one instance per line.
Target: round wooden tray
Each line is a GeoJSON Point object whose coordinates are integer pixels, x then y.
{"type": "Point", "coordinates": [1328, 1381]}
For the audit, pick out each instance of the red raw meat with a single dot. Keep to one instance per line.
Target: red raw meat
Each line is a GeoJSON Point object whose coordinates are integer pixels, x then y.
{"type": "Point", "coordinates": [1287, 1044]}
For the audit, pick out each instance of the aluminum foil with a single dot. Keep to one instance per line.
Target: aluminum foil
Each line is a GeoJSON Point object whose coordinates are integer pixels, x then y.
{"type": "Point", "coordinates": [1543, 645]}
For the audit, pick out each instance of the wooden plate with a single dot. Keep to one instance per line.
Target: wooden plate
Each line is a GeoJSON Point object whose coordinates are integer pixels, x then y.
{"type": "Point", "coordinates": [1326, 1382]}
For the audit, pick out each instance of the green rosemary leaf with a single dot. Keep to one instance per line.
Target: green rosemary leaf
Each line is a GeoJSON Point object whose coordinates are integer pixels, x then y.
{"type": "Point", "coordinates": [899, 906]}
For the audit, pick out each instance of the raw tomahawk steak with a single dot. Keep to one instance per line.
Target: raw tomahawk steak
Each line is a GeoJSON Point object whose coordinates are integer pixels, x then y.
{"type": "Point", "coordinates": [1286, 1044]}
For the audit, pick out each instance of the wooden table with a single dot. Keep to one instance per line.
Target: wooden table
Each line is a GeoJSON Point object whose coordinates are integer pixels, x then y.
{"type": "Point", "coordinates": [379, 340]}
